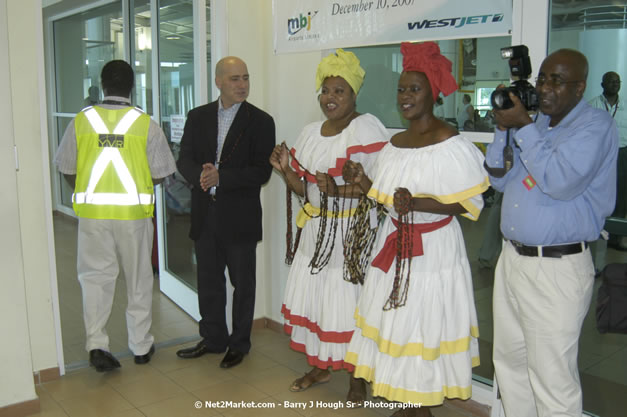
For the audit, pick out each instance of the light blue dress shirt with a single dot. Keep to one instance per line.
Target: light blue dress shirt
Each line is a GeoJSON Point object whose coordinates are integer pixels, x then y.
{"type": "Point", "coordinates": [225, 120]}
{"type": "Point", "coordinates": [563, 182]}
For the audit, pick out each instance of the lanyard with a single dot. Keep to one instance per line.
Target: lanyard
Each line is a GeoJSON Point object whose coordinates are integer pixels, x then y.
{"type": "Point", "coordinates": [607, 108]}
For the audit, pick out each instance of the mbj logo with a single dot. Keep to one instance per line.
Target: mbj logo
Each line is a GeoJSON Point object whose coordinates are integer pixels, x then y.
{"type": "Point", "coordinates": [456, 22]}
{"type": "Point", "coordinates": [296, 24]}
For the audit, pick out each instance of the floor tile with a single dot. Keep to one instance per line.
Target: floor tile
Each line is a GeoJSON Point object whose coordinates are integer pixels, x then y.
{"type": "Point", "coordinates": [149, 390]}
{"type": "Point", "coordinates": [183, 405]}
{"type": "Point", "coordinates": [230, 390]}
{"type": "Point", "coordinates": [103, 401]}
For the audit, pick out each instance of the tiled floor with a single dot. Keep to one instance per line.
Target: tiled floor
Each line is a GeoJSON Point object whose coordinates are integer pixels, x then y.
{"type": "Point", "coordinates": [168, 386]}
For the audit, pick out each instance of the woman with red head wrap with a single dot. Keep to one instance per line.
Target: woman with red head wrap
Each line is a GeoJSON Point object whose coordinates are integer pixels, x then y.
{"type": "Point", "coordinates": [416, 336]}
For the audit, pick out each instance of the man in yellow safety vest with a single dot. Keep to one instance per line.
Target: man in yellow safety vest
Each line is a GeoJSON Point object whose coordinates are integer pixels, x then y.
{"type": "Point", "coordinates": [112, 154]}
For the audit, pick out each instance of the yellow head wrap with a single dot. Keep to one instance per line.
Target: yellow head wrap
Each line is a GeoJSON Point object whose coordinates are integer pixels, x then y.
{"type": "Point", "coordinates": [341, 64]}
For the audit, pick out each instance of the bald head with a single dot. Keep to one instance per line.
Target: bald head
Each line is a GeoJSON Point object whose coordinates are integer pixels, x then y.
{"type": "Point", "coordinates": [561, 83]}
{"type": "Point", "coordinates": [575, 61]}
{"type": "Point", "coordinates": [232, 80]}
{"type": "Point", "coordinates": [610, 84]}
{"type": "Point", "coordinates": [226, 62]}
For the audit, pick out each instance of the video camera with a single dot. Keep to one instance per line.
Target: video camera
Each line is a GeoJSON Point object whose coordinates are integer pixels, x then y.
{"type": "Point", "coordinates": [520, 67]}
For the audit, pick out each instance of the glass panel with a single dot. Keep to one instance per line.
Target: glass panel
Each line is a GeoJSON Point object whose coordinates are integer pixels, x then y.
{"type": "Point", "coordinates": [602, 365]}
{"type": "Point", "coordinates": [176, 50]}
{"type": "Point", "coordinates": [143, 55]}
{"type": "Point", "coordinates": [83, 43]}
{"type": "Point", "coordinates": [477, 66]}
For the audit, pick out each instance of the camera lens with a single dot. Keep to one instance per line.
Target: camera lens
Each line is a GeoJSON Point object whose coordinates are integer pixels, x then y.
{"type": "Point", "coordinates": [500, 99]}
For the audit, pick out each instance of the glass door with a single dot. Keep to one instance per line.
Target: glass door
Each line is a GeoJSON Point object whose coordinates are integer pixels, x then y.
{"type": "Point", "coordinates": [83, 43]}
{"type": "Point", "coordinates": [179, 74]}
{"type": "Point", "coordinates": [167, 43]}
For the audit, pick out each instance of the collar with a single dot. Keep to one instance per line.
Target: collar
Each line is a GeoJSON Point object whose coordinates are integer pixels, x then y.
{"type": "Point", "coordinates": [572, 115]}
{"type": "Point", "coordinates": [607, 103]}
{"type": "Point", "coordinates": [121, 100]}
{"type": "Point", "coordinates": [221, 107]}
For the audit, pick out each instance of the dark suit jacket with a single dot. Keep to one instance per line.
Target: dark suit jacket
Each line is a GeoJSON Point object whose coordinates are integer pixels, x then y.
{"type": "Point", "coordinates": [243, 170]}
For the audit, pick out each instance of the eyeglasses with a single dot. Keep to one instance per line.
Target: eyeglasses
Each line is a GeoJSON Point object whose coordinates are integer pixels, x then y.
{"type": "Point", "coordinates": [553, 82]}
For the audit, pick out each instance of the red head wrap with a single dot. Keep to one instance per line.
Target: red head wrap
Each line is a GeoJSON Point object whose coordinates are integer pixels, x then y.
{"type": "Point", "coordinates": [426, 57]}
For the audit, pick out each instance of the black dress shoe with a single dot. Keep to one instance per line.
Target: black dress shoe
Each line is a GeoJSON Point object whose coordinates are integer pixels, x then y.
{"type": "Point", "coordinates": [142, 359]}
{"type": "Point", "coordinates": [232, 358]}
{"type": "Point", "coordinates": [196, 351]}
{"type": "Point", "coordinates": [102, 360]}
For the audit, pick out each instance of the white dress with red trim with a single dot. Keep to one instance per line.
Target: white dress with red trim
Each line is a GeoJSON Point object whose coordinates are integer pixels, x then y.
{"type": "Point", "coordinates": [319, 307]}
{"type": "Point", "coordinates": [423, 351]}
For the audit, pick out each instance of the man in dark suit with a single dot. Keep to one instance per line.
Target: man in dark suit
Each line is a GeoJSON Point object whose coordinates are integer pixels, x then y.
{"type": "Point", "coordinates": [224, 154]}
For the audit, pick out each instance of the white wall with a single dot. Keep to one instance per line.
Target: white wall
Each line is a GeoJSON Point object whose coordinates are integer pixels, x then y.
{"type": "Point", "coordinates": [33, 181]}
{"type": "Point", "coordinates": [15, 349]}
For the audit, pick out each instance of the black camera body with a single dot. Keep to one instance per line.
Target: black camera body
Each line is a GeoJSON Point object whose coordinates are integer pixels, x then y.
{"type": "Point", "coordinates": [520, 67]}
{"type": "Point", "coordinates": [522, 89]}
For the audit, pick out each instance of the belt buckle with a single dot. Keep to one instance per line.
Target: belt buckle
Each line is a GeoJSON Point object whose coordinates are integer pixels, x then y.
{"type": "Point", "coordinates": [517, 244]}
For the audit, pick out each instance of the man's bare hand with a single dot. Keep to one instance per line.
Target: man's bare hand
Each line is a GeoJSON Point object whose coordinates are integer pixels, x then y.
{"type": "Point", "coordinates": [209, 176]}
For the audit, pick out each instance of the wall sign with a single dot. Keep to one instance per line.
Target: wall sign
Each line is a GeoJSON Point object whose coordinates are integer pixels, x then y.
{"type": "Point", "coordinates": [307, 25]}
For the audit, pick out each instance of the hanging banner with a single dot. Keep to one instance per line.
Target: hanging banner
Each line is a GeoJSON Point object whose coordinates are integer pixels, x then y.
{"type": "Point", "coordinates": [306, 25]}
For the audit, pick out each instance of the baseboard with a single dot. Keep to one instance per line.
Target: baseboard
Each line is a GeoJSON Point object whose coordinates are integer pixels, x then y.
{"type": "Point", "coordinates": [22, 409]}
{"type": "Point", "coordinates": [274, 325]}
{"type": "Point", "coordinates": [47, 375]}
{"type": "Point", "coordinates": [259, 323]}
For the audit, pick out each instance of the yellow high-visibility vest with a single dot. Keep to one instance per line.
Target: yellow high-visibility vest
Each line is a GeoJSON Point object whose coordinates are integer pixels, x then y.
{"type": "Point", "coordinates": [112, 173]}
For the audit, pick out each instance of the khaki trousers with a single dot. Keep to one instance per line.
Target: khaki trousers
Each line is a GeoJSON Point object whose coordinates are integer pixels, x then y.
{"type": "Point", "coordinates": [103, 247]}
{"type": "Point", "coordinates": [539, 306]}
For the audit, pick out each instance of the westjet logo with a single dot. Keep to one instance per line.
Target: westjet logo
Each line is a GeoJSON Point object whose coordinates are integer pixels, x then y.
{"type": "Point", "coordinates": [456, 22]}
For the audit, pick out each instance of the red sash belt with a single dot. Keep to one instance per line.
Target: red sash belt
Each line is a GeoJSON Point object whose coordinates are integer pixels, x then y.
{"type": "Point", "coordinates": [385, 258]}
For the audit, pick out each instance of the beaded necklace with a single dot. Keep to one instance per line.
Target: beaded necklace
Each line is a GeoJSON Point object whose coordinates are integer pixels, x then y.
{"type": "Point", "coordinates": [404, 249]}
{"type": "Point", "coordinates": [359, 238]}
{"type": "Point", "coordinates": [325, 241]}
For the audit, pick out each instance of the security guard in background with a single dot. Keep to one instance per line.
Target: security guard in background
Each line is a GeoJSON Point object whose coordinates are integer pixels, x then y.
{"type": "Point", "coordinates": [113, 154]}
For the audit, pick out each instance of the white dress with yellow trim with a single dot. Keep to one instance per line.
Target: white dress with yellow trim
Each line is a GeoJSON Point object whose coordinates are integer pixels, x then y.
{"type": "Point", "coordinates": [319, 308]}
{"type": "Point", "coordinates": [423, 351]}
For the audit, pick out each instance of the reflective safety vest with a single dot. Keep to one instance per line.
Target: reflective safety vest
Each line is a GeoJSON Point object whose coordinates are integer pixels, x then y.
{"type": "Point", "coordinates": [112, 173]}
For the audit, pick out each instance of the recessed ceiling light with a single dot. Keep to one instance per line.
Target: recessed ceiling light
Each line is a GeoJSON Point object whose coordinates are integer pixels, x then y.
{"type": "Point", "coordinates": [173, 37]}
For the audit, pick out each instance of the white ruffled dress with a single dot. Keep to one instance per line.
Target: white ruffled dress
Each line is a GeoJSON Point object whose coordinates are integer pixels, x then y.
{"type": "Point", "coordinates": [319, 308]}
{"type": "Point", "coordinates": [423, 351]}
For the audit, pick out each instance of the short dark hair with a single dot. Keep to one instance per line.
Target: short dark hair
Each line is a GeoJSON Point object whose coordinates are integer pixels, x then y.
{"type": "Point", "coordinates": [117, 78]}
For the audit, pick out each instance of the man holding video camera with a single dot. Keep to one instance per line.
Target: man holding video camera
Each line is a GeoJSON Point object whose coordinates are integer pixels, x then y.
{"type": "Point", "coordinates": [559, 183]}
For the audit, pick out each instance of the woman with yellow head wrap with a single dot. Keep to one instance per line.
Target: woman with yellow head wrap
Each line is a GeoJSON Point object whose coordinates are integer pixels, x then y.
{"type": "Point", "coordinates": [416, 336]}
{"type": "Point", "coordinates": [322, 290]}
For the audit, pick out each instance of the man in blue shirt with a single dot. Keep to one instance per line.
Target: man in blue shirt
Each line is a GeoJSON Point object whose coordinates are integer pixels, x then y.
{"type": "Point", "coordinates": [556, 196]}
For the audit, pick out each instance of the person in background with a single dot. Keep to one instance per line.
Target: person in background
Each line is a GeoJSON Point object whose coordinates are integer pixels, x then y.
{"type": "Point", "coordinates": [466, 113]}
{"type": "Point", "coordinates": [610, 102]}
{"type": "Point", "coordinates": [320, 296]}
{"type": "Point", "coordinates": [556, 196]}
{"type": "Point", "coordinates": [93, 96]}
{"type": "Point", "coordinates": [224, 156]}
{"type": "Point", "coordinates": [417, 333]}
{"type": "Point", "coordinates": [438, 108]}
{"type": "Point", "coordinates": [113, 154]}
